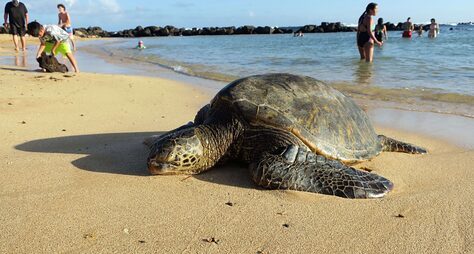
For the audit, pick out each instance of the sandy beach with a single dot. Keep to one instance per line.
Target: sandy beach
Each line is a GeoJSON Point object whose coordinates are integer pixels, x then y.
{"type": "Point", "coordinates": [74, 180]}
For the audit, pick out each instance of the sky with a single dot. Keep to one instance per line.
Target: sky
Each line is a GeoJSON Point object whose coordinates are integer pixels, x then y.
{"type": "Point", "coordinates": [114, 15]}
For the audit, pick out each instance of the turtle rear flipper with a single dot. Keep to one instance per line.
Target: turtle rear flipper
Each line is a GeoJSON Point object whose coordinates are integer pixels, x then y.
{"type": "Point", "coordinates": [297, 168]}
{"type": "Point", "coordinates": [393, 145]}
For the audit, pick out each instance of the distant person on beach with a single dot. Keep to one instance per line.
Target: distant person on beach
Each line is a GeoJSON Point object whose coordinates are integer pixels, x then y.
{"type": "Point", "coordinates": [434, 29]}
{"type": "Point", "coordinates": [64, 21]}
{"type": "Point", "coordinates": [53, 40]}
{"type": "Point", "coordinates": [408, 28]}
{"type": "Point", "coordinates": [15, 20]}
{"type": "Point", "coordinates": [381, 30]}
{"type": "Point", "coordinates": [365, 37]}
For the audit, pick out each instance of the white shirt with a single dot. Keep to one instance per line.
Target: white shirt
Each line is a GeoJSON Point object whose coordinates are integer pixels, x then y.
{"type": "Point", "coordinates": [54, 33]}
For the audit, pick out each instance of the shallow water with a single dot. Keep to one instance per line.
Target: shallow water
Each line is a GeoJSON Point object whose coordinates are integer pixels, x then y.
{"type": "Point", "coordinates": [441, 65]}
{"type": "Point", "coordinates": [420, 74]}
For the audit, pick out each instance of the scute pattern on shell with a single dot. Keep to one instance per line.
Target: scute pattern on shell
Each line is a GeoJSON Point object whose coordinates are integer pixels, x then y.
{"type": "Point", "coordinates": [328, 122]}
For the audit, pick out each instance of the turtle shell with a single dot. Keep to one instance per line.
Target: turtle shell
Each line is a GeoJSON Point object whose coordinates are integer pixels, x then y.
{"type": "Point", "coordinates": [328, 122]}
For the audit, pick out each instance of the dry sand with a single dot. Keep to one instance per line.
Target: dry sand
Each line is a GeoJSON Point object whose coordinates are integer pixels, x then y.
{"type": "Point", "coordinates": [73, 179]}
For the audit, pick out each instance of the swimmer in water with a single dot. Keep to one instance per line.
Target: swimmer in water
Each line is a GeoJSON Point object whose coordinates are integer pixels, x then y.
{"type": "Point", "coordinates": [434, 29]}
{"type": "Point", "coordinates": [381, 30]}
{"type": "Point", "coordinates": [141, 45]}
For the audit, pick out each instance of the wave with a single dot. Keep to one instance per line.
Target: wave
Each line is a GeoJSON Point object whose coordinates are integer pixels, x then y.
{"type": "Point", "coordinates": [420, 99]}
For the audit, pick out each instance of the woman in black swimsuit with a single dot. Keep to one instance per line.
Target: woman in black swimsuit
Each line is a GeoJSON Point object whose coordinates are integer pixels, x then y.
{"type": "Point", "coordinates": [365, 36]}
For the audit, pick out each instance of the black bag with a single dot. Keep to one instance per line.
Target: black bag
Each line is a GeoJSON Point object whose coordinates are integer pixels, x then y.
{"type": "Point", "coordinates": [51, 64]}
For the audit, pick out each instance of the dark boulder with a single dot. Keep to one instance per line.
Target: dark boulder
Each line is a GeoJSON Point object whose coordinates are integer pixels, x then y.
{"type": "Point", "coordinates": [399, 26]}
{"type": "Point", "coordinates": [308, 29]}
{"type": "Point", "coordinates": [152, 29]}
{"type": "Point", "coordinates": [245, 30]}
{"type": "Point", "coordinates": [331, 28]}
{"type": "Point", "coordinates": [390, 26]}
{"type": "Point", "coordinates": [264, 30]}
{"type": "Point", "coordinates": [278, 31]}
{"type": "Point", "coordinates": [163, 32]}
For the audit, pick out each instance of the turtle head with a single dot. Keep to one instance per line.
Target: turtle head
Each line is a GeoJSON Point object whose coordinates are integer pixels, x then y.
{"type": "Point", "coordinates": [178, 152]}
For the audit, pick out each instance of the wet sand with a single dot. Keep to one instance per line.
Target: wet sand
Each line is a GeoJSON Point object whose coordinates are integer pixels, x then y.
{"type": "Point", "coordinates": [74, 179]}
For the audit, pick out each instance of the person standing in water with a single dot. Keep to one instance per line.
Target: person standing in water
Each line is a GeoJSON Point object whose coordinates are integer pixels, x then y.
{"type": "Point", "coordinates": [365, 37]}
{"type": "Point", "coordinates": [64, 21]}
{"type": "Point", "coordinates": [434, 29]}
{"type": "Point", "coordinates": [381, 30]}
{"type": "Point", "coordinates": [420, 31]}
{"type": "Point", "coordinates": [408, 29]}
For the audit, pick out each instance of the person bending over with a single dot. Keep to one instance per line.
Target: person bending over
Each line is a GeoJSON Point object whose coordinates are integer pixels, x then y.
{"type": "Point", "coordinates": [53, 40]}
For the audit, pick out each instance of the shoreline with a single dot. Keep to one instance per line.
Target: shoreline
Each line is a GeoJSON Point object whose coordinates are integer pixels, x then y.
{"type": "Point", "coordinates": [74, 179]}
{"type": "Point", "coordinates": [414, 99]}
{"type": "Point", "coordinates": [450, 127]}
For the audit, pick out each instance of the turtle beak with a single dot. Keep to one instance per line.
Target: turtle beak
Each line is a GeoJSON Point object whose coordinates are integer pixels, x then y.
{"type": "Point", "coordinates": [160, 168]}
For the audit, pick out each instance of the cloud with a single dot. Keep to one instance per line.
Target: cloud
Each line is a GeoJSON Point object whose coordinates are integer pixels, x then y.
{"type": "Point", "coordinates": [251, 14]}
{"type": "Point", "coordinates": [110, 5]}
{"type": "Point", "coordinates": [103, 7]}
{"type": "Point", "coordinates": [70, 3]}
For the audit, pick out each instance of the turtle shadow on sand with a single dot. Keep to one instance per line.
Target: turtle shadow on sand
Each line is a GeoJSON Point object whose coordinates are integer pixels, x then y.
{"type": "Point", "coordinates": [114, 153]}
{"type": "Point", "coordinates": [125, 154]}
{"type": "Point", "coordinates": [18, 69]}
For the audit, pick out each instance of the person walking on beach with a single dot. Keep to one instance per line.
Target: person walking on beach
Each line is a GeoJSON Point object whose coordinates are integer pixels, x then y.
{"type": "Point", "coordinates": [408, 28]}
{"type": "Point", "coordinates": [434, 29]}
{"type": "Point", "coordinates": [53, 40]}
{"type": "Point", "coordinates": [365, 37]}
{"type": "Point", "coordinates": [381, 30]}
{"type": "Point", "coordinates": [15, 19]}
{"type": "Point", "coordinates": [64, 21]}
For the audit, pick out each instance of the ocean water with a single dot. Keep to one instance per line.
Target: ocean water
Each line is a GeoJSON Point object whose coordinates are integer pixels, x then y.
{"type": "Point", "coordinates": [444, 65]}
{"type": "Point", "coordinates": [420, 74]}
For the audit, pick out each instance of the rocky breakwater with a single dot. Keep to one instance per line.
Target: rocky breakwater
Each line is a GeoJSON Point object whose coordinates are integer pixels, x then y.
{"type": "Point", "coordinates": [326, 27]}
{"type": "Point", "coordinates": [153, 31]}
{"type": "Point", "coordinates": [174, 31]}
{"type": "Point", "coordinates": [91, 32]}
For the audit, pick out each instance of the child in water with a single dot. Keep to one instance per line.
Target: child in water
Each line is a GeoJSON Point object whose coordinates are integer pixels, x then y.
{"type": "Point", "coordinates": [434, 29]}
{"type": "Point", "coordinates": [141, 45]}
{"type": "Point", "coordinates": [381, 30]}
{"type": "Point", "coordinates": [420, 31]}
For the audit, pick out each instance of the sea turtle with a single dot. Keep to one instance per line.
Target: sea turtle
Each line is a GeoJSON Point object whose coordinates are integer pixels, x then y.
{"type": "Point", "coordinates": [295, 133]}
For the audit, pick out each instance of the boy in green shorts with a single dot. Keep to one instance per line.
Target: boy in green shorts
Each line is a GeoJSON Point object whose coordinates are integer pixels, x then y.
{"type": "Point", "coordinates": [53, 40]}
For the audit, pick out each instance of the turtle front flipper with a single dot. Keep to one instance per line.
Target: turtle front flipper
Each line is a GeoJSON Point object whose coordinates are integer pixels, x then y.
{"type": "Point", "coordinates": [393, 145]}
{"type": "Point", "coordinates": [297, 168]}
